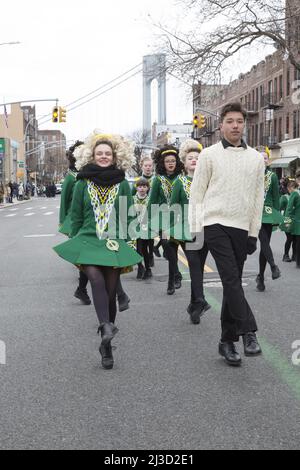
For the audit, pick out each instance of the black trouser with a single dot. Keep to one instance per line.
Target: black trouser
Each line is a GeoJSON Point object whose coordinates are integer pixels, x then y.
{"type": "Point", "coordinates": [266, 254]}
{"type": "Point", "coordinates": [196, 260]}
{"type": "Point", "coordinates": [151, 248]}
{"type": "Point", "coordinates": [291, 240]}
{"type": "Point", "coordinates": [143, 249]}
{"type": "Point", "coordinates": [104, 281]}
{"type": "Point", "coordinates": [298, 250]}
{"type": "Point", "coordinates": [228, 247]}
{"type": "Point", "coordinates": [171, 251]}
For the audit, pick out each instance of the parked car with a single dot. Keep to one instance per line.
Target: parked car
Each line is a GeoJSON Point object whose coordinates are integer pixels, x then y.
{"type": "Point", "coordinates": [58, 188]}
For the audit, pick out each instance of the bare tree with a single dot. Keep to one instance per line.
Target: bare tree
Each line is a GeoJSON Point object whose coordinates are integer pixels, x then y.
{"type": "Point", "coordinates": [223, 28]}
{"type": "Point", "coordinates": [140, 137]}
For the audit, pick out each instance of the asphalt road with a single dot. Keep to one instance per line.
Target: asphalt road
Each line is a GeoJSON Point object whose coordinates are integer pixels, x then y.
{"type": "Point", "coordinates": [169, 388]}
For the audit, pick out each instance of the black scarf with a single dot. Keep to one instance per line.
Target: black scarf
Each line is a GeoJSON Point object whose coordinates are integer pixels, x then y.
{"type": "Point", "coordinates": [101, 176]}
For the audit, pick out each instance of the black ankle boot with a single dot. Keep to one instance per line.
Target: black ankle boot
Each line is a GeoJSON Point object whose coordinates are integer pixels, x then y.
{"type": "Point", "coordinates": [107, 356]}
{"type": "Point", "coordinates": [82, 295]}
{"type": "Point", "coordinates": [276, 274]}
{"type": "Point", "coordinates": [171, 287]}
{"type": "Point", "coordinates": [108, 332]}
{"type": "Point", "coordinates": [260, 283]}
{"type": "Point", "coordinates": [141, 272]}
{"type": "Point", "coordinates": [123, 301]}
{"type": "Point", "coordinates": [196, 310]}
{"type": "Point", "coordinates": [147, 275]}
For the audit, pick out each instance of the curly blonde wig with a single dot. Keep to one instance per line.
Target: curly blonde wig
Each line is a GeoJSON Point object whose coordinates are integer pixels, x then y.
{"type": "Point", "coordinates": [123, 150]}
{"type": "Point", "coordinates": [187, 147]}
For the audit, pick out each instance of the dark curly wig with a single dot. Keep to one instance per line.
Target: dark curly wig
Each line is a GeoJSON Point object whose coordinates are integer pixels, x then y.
{"type": "Point", "coordinates": [70, 154]}
{"type": "Point", "coordinates": [159, 160]}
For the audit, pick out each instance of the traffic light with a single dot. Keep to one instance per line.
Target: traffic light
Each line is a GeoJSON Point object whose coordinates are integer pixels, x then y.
{"type": "Point", "coordinates": [196, 120]}
{"type": "Point", "coordinates": [62, 114]}
{"type": "Point", "coordinates": [202, 122]}
{"type": "Point", "coordinates": [55, 114]}
{"type": "Point", "coordinates": [199, 121]}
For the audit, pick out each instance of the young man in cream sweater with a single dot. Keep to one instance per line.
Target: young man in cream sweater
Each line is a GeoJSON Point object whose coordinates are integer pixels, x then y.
{"type": "Point", "coordinates": [227, 198]}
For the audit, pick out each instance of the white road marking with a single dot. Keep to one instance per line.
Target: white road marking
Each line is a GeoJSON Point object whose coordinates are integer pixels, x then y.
{"type": "Point", "coordinates": [29, 209]}
{"type": "Point", "coordinates": [47, 235]}
{"type": "Point", "coordinates": [29, 215]}
{"type": "Point", "coordinates": [11, 215]}
{"type": "Point", "coordinates": [49, 213]}
{"type": "Point", "coordinates": [13, 210]}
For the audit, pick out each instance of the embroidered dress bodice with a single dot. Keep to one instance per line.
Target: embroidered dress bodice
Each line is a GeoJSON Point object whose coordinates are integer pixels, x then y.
{"type": "Point", "coordinates": [103, 200]}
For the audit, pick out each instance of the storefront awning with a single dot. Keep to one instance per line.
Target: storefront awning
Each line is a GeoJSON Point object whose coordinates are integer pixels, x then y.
{"type": "Point", "coordinates": [283, 162]}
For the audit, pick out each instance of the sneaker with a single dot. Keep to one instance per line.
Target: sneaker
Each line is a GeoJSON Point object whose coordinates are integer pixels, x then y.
{"type": "Point", "coordinates": [83, 296]}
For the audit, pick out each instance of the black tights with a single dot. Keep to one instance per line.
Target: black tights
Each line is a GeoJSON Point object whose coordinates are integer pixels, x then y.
{"type": "Point", "coordinates": [83, 280]}
{"type": "Point", "coordinates": [104, 281]}
{"type": "Point", "coordinates": [290, 241]}
{"type": "Point", "coordinates": [266, 254]}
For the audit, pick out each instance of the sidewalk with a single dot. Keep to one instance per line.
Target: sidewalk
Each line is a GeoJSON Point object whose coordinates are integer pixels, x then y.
{"type": "Point", "coordinates": [14, 203]}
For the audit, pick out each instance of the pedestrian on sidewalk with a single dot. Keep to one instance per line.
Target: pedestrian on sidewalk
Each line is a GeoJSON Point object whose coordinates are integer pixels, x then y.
{"type": "Point", "coordinates": [190, 152]}
{"type": "Point", "coordinates": [21, 192]}
{"type": "Point", "coordinates": [2, 193]}
{"type": "Point", "coordinates": [100, 219]}
{"type": "Point", "coordinates": [227, 197]}
{"type": "Point", "coordinates": [168, 168]}
{"type": "Point", "coordinates": [271, 219]}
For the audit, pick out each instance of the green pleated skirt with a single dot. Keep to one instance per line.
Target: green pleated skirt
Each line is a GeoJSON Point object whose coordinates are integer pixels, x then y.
{"type": "Point", "coordinates": [90, 251]}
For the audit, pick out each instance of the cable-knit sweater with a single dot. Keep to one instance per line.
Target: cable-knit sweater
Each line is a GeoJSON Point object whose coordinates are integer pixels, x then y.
{"type": "Point", "coordinates": [228, 189]}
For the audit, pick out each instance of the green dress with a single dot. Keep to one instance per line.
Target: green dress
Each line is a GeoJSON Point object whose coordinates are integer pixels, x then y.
{"type": "Point", "coordinates": [66, 202]}
{"type": "Point", "coordinates": [271, 212]}
{"type": "Point", "coordinates": [293, 213]}
{"type": "Point", "coordinates": [180, 229]}
{"type": "Point", "coordinates": [141, 209]}
{"type": "Point", "coordinates": [160, 202]}
{"type": "Point", "coordinates": [284, 201]}
{"type": "Point", "coordinates": [100, 219]}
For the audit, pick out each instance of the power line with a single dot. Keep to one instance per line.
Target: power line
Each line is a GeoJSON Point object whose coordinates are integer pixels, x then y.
{"type": "Point", "coordinates": [94, 91]}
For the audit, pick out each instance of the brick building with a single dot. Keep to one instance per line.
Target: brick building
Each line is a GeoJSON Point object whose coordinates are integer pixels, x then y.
{"type": "Point", "coordinates": [50, 161]}
{"type": "Point", "coordinates": [269, 94]}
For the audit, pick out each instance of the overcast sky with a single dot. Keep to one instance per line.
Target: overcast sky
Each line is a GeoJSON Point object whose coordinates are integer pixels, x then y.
{"type": "Point", "coordinates": [71, 48]}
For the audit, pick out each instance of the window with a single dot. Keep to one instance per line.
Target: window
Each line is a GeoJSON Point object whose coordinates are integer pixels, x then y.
{"type": "Point", "coordinates": [280, 130]}
{"type": "Point", "coordinates": [288, 83]}
{"type": "Point", "coordinates": [276, 88]}
{"type": "Point", "coordinates": [261, 96]}
{"type": "Point", "coordinates": [280, 87]}
{"type": "Point", "coordinates": [275, 129]}
{"type": "Point", "coordinates": [261, 134]}
{"type": "Point", "coordinates": [288, 125]}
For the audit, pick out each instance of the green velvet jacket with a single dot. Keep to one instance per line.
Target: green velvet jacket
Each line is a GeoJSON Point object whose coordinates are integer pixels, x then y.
{"type": "Point", "coordinates": [66, 202]}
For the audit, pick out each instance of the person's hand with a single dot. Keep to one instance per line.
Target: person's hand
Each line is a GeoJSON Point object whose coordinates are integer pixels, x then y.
{"type": "Point", "coordinates": [251, 245]}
